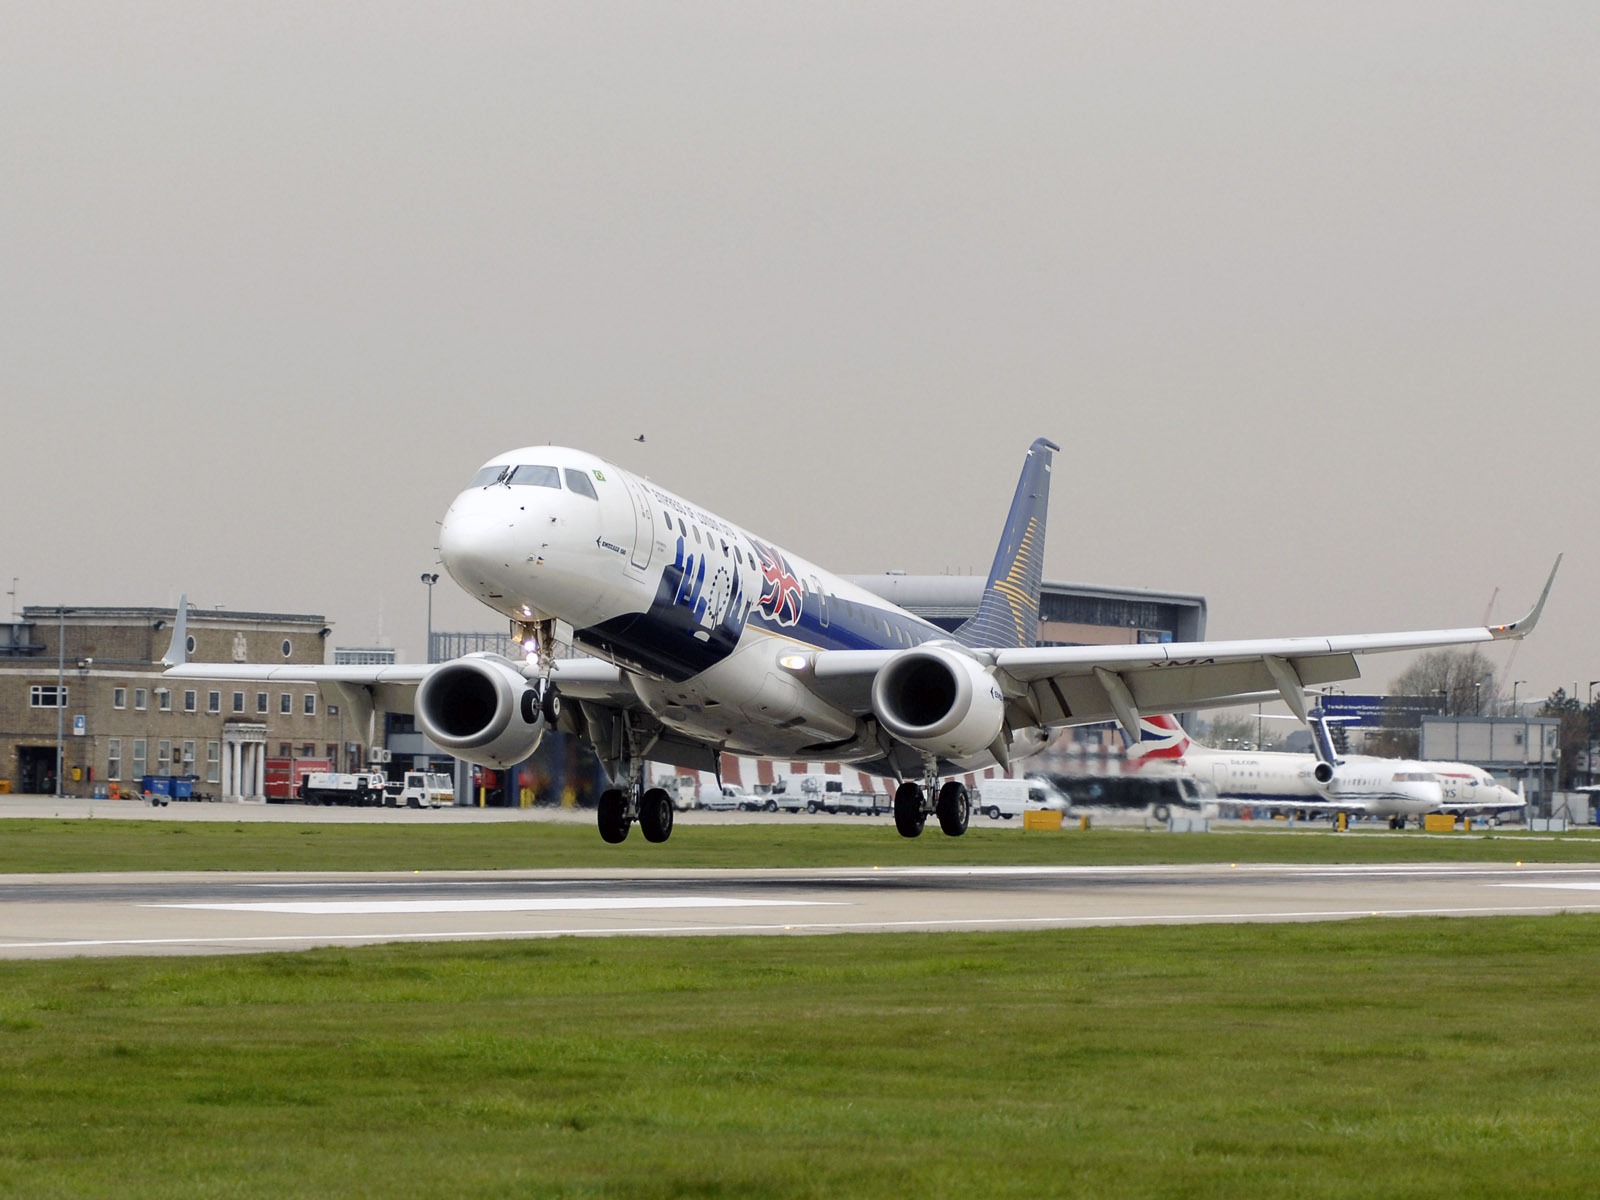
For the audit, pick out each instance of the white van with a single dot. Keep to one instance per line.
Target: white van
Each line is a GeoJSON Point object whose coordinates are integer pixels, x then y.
{"type": "Point", "coordinates": [1000, 799]}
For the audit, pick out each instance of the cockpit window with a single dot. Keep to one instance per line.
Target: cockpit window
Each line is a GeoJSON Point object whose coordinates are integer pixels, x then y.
{"type": "Point", "coordinates": [488, 475]}
{"type": "Point", "coordinates": [536, 477]}
{"type": "Point", "coordinates": [579, 481]}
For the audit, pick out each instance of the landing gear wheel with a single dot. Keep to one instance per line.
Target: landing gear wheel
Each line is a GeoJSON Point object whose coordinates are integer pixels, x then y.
{"type": "Point", "coordinates": [908, 815]}
{"type": "Point", "coordinates": [655, 815]}
{"type": "Point", "coordinates": [551, 706]}
{"type": "Point", "coordinates": [613, 816]}
{"type": "Point", "coordinates": [953, 808]}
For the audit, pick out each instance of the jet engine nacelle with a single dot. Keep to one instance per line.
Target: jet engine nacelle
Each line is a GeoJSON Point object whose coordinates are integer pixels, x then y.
{"type": "Point", "coordinates": [481, 708]}
{"type": "Point", "coordinates": [938, 700]}
{"type": "Point", "coordinates": [1323, 773]}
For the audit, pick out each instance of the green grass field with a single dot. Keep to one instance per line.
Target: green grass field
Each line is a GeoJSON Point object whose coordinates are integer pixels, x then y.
{"type": "Point", "coordinates": [1401, 1058]}
{"type": "Point", "coordinates": [28, 846]}
{"type": "Point", "coordinates": [1426, 1058]}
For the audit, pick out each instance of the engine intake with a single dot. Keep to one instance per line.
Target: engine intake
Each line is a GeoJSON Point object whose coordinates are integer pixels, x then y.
{"type": "Point", "coordinates": [938, 700]}
{"type": "Point", "coordinates": [481, 708]}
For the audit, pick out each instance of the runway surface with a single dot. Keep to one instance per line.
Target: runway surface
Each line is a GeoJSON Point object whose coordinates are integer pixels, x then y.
{"type": "Point", "coordinates": [227, 913]}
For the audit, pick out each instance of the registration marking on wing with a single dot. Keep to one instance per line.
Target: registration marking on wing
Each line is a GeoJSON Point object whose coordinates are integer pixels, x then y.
{"type": "Point", "coordinates": [487, 904]}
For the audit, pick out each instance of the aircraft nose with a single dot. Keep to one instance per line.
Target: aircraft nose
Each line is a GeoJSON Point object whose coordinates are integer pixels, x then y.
{"type": "Point", "coordinates": [477, 540]}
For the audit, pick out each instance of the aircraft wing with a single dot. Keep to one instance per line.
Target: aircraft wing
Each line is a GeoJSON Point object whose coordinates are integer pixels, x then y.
{"type": "Point", "coordinates": [576, 678]}
{"type": "Point", "coordinates": [1053, 686]}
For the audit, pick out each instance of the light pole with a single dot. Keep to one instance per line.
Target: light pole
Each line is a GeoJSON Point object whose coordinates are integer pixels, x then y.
{"type": "Point", "coordinates": [1515, 684]}
{"type": "Point", "coordinates": [429, 578]}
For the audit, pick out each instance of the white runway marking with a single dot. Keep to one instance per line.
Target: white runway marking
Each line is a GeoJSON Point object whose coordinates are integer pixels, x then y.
{"type": "Point", "coordinates": [1574, 886]}
{"type": "Point", "coordinates": [345, 908]}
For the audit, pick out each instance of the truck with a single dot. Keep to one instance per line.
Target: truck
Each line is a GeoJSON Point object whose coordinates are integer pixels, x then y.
{"type": "Point", "coordinates": [684, 790]}
{"type": "Point", "coordinates": [421, 789]}
{"type": "Point", "coordinates": [330, 787]}
{"type": "Point", "coordinates": [821, 793]}
{"type": "Point", "coordinates": [1002, 799]}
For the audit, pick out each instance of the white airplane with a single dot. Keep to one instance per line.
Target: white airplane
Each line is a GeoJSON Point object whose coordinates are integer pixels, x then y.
{"type": "Point", "coordinates": [1322, 782]}
{"type": "Point", "coordinates": [708, 639]}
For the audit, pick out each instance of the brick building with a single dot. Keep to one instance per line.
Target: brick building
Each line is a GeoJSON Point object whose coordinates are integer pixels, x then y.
{"type": "Point", "coordinates": [89, 679]}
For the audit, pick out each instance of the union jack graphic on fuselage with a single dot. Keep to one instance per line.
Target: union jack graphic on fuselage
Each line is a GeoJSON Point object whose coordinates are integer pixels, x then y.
{"type": "Point", "coordinates": [782, 598]}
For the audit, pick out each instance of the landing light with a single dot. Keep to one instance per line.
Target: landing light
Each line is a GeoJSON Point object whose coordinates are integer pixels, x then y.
{"type": "Point", "coordinates": [794, 662]}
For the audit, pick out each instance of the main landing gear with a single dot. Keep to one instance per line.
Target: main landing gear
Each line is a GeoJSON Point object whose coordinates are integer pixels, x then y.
{"type": "Point", "coordinates": [619, 809]}
{"type": "Point", "coordinates": [912, 808]}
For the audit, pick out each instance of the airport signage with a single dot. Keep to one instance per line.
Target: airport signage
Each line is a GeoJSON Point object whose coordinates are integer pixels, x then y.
{"type": "Point", "coordinates": [1380, 712]}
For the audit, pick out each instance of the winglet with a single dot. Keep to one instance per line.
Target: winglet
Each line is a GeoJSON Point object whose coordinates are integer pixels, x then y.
{"type": "Point", "coordinates": [178, 652]}
{"type": "Point", "coordinates": [1522, 628]}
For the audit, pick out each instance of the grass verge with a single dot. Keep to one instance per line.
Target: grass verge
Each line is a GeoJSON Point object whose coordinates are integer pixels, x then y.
{"type": "Point", "coordinates": [38, 845]}
{"type": "Point", "coordinates": [1372, 1058]}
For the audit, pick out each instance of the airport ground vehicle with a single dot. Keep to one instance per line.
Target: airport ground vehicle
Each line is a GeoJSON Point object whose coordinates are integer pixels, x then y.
{"type": "Point", "coordinates": [421, 789]}
{"type": "Point", "coordinates": [328, 787]}
{"type": "Point", "coordinates": [684, 790]}
{"type": "Point", "coordinates": [760, 800]}
{"type": "Point", "coordinates": [728, 799]}
{"type": "Point", "coordinates": [1002, 799]}
{"type": "Point", "coordinates": [1131, 795]}
{"type": "Point", "coordinates": [820, 793]}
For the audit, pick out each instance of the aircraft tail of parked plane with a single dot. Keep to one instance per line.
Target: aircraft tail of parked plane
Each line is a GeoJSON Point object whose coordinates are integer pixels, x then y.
{"type": "Point", "coordinates": [1161, 740]}
{"type": "Point", "coordinates": [703, 639]}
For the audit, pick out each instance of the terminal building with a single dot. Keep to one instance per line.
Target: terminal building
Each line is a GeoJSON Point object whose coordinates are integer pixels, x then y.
{"type": "Point", "coordinates": [82, 686]}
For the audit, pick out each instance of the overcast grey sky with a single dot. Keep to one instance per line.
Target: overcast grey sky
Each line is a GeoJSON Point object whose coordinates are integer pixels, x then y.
{"type": "Point", "coordinates": [1307, 293]}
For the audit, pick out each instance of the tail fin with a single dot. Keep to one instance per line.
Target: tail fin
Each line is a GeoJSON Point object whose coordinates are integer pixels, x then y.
{"type": "Point", "coordinates": [1009, 613]}
{"type": "Point", "coordinates": [178, 651]}
{"type": "Point", "coordinates": [1322, 739]}
{"type": "Point", "coordinates": [1161, 739]}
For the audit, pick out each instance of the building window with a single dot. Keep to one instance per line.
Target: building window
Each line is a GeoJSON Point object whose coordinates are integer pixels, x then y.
{"type": "Point", "coordinates": [164, 757]}
{"type": "Point", "coordinates": [308, 751]}
{"type": "Point", "coordinates": [114, 758]}
{"type": "Point", "coordinates": [47, 695]}
{"type": "Point", "coordinates": [188, 757]}
{"type": "Point", "coordinates": [311, 704]}
{"type": "Point", "coordinates": [287, 648]}
{"type": "Point", "coordinates": [285, 703]}
{"type": "Point", "coordinates": [238, 702]}
{"type": "Point", "coordinates": [213, 702]}
{"type": "Point", "coordinates": [164, 699]}
{"type": "Point", "coordinates": [261, 702]}
{"type": "Point", "coordinates": [285, 750]}
{"type": "Point", "coordinates": [140, 698]}
{"type": "Point", "coordinates": [214, 761]}
{"type": "Point", "coordinates": [119, 697]}
{"type": "Point", "coordinates": [140, 757]}
{"type": "Point", "coordinates": [190, 699]}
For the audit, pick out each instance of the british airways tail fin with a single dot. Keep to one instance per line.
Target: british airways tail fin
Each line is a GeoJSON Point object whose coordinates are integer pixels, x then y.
{"type": "Point", "coordinates": [1009, 613]}
{"type": "Point", "coordinates": [1161, 739]}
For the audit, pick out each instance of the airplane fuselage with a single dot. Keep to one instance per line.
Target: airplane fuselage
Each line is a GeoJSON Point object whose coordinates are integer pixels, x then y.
{"type": "Point", "coordinates": [1382, 787]}
{"type": "Point", "coordinates": [699, 611]}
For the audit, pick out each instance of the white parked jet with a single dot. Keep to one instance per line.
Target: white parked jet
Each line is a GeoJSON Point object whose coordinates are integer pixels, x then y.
{"type": "Point", "coordinates": [709, 639]}
{"type": "Point", "coordinates": [1323, 782]}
